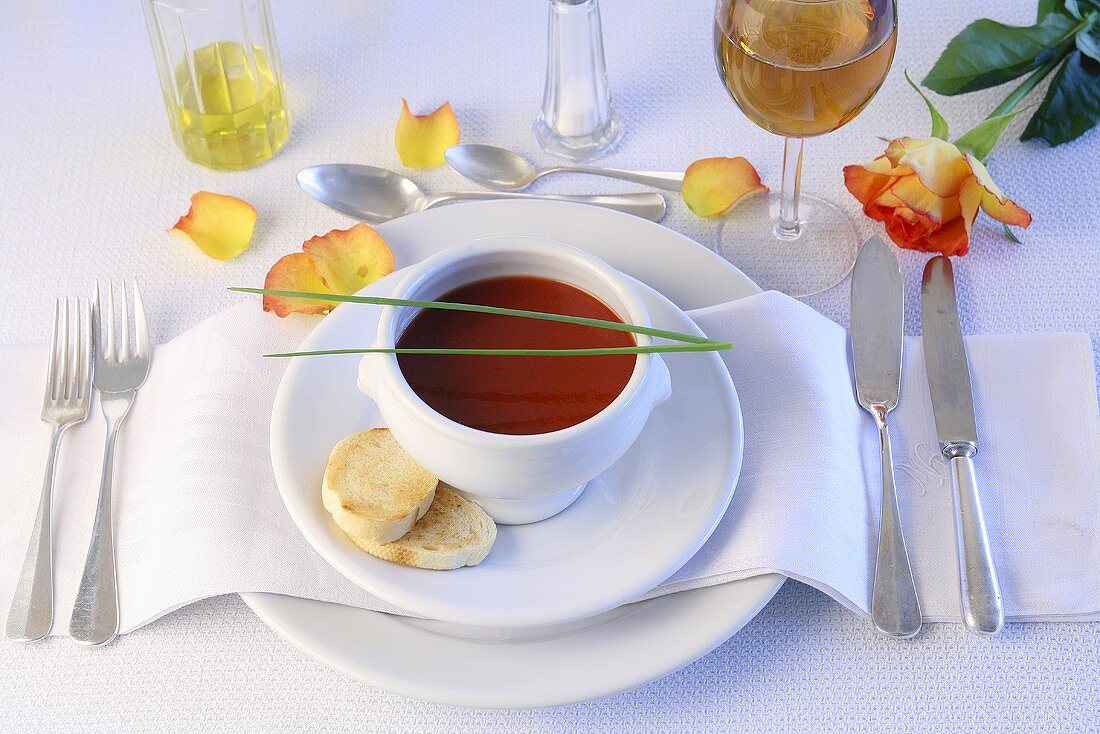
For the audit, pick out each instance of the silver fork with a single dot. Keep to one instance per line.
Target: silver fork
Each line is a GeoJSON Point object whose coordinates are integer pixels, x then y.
{"type": "Point", "coordinates": [68, 389]}
{"type": "Point", "coordinates": [120, 369]}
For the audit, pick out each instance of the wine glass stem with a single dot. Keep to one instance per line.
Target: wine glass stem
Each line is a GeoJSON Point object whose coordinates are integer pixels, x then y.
{"type": "Point", "coordinates": [787, 227]}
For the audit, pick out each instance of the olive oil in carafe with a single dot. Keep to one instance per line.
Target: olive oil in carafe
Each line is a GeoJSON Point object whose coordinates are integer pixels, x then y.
{"type": "Point", "coordinates": [229, 113]}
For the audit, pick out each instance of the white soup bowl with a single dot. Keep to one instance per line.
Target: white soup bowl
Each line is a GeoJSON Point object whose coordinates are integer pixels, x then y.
{"type": "Point", "coordinates": [516, 478]}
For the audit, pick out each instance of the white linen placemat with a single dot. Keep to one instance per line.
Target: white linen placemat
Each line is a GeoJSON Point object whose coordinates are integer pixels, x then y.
{"type": "Point", "coordinates": [198, 514]}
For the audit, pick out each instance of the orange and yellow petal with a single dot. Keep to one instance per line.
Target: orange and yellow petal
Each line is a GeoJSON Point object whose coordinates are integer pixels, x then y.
{"type": "Point", "coordinates": [884, 167]}
{"type": "Point", "coordinates": [951, 240]}
{"type": "Point", "coordinates": [941, 166]}
{"type": "Point", "coordinates": [421, 140]}
{"type": "Point", "coordinates": [219, 225]}
{"type": "Point", "coordinates": [993, 201]}
{"type": "Point", "coordinates": [347, 260]}
{"type": "Point", "coordinates": [908, 228]}
{"type": "Point", "coordinates": [970, 200]}
{"type": "Point", "coordinates": [1006, 211]}
{"type": "Point", "coordinates": [915, 196]}
{"type": "Point", "coordinates": [713, 186]}
{"type": "Point", "coordinates": [295, 272]}
{"type": "Point", "coordinates": [883, 206]}
{"type": "Point", "coordinates": [864, 184]}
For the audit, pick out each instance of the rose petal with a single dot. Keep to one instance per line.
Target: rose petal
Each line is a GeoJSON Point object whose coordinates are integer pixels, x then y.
{"type": "Point", "coordinates": [713, 186]}
{"type": "Point", "coordinates": [970, 198]}
{"type": "Point", "coordinates": [994, 202]}
{"type": "Point", "coordinates": [951, 240]}
{"type": "Point", "coordinates": [882, 206]}
{"type": "Point", "coordinates": [940, 166]}
{"type": "Point", "coordinates": [883, 167]}
{"type": "Point", "coordinates": [907, 227]}
{"type": "Point", "coordinates": [346, 260]}
{"type": "Point", "coordinates": [422, 139]}
{"type": "Point", "coordinates": [295, 272]}
{"type": "Point", "coordinates": [913, 193]}
{"type": "Point", "coordinates": [219, 225]}
{"type": "Point", "coordinates": [868, 181]}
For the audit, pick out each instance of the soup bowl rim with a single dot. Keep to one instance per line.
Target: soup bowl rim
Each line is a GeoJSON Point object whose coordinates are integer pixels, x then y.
{"type": "Point", "coordinates": [421, 275]}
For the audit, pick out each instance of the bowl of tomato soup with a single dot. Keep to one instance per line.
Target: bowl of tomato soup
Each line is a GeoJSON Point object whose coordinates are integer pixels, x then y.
{"type": "Point", "coordinates": [520, 435]}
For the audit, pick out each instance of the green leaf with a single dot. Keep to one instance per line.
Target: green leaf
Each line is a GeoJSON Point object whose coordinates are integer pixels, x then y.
{"type": "Point", "coordinates": [584, 352]}
{"type": "Point", "coordinates": [1071, 6]}
{"type": "Point", "coordinates": [1011, 235]}
{"type": "Point", "coordinates": [981, 139]}
{"type": "Point", "coordinates": [1048, 6]}
{"type": "Point", "coordinates": [1088, 43]}
{"type": "Point", "coordinates": [1072, 103]}
{"type": "Point", "coordinates": [987, 53]}
{"type": "Point", "coordinates": [1062, 6]}
{"type": "Point", "coordinates": [939, 125]}
{"type": "Point", "coordinates": [475, 308]}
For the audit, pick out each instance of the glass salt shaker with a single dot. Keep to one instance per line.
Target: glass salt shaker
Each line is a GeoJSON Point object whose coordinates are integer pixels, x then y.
{"type": "Point", "coordinates": [577, 120]}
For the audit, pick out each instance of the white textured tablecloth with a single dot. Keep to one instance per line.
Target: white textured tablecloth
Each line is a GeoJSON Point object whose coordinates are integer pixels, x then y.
{"type": "Point", "coordinates": [89, 178]}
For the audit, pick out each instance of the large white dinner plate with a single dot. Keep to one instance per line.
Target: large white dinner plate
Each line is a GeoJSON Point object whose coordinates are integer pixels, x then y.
{"type": "Point", "coordinates": [611, 652]}
{"type": "Point", "coordinates": [633, 526]}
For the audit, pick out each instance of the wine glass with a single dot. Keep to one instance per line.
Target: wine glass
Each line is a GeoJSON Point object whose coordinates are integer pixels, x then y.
{"type": "Point", "coordinates": [798, 68]}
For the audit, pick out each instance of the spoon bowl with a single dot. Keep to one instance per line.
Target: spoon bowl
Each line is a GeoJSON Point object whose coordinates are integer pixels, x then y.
{"type": "Point", "coordinates": [374, 195]}
{"type": "Point", "coordinates": [490, 166]}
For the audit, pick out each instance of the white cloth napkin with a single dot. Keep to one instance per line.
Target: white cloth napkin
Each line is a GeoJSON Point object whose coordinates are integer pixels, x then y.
{"type": "Point", "coordinates": [198, 514]}
{"type": "Point", "coordinates": [807, 502]}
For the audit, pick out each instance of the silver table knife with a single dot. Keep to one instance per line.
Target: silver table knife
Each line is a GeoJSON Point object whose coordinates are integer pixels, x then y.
{"type": "Point", "coordinates": [953, 407]}
{"type": "Point", "coordinates": [877, 343]}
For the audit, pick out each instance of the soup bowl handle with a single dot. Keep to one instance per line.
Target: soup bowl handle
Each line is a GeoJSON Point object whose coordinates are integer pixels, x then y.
{"type": "Point", "coordinates": [370, 375]}
{"type": "Point", "coordinates": [659, 388]}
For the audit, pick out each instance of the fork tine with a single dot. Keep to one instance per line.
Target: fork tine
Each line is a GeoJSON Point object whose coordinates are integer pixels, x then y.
{"type": "Point", "coordinates": [72, 365]}
{"type": "Point", "coordinates": [97, 316]}
{"type": "Point", "coordinates": [109, 351]}
{"type": "Point", "coordinates": [124, 327]}
{"type": "Point", "coordinates": [87, 346]}
{"type": "Point", "coordinates": [66, 357]}
{"type": "Point", "coordinates": [51, 373]}
{"type": "Point", "coordinates": [74, 353]}
{"type": "Point", "coordinates": [141, 326]}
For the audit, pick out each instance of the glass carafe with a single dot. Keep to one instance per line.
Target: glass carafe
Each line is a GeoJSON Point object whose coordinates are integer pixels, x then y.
{"type": "Point", "coordinates": [220, 75]}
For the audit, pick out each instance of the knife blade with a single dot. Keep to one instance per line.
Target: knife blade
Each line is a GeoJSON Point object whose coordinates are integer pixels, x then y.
{"type": "Point", "coordinates": [945, 356]}
{"type": "Point", "coordinates": [878, 311]}
{"type": "Point", "coordinates": [953, 408]}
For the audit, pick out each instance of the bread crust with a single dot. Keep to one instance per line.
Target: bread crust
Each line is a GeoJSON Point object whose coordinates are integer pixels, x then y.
{"type": "Point", "coordinates": [373, 489]}
{"type": "Point", "coordinates": [454, 533]}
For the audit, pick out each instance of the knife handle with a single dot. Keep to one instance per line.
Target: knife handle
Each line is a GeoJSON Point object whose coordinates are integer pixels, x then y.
{"type": "Point", "coordinates": [895, 608]}
{"type": "Point", "coordinates": [983, 610]}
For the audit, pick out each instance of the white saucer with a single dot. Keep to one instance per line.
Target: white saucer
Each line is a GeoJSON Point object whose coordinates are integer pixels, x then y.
{"type": "Point", "coordinates": [497, 668]}
{"type": "Point", "coordinates": [631, 528]}
{"type": "Point", "coordinates": [596, 657]}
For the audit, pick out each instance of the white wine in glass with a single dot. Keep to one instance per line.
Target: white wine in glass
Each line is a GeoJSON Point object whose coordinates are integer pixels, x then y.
{"type": "Point", "coordinates": [798, 68]}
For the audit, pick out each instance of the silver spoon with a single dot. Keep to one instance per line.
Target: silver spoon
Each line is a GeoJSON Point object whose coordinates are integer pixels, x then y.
{"type": "Point", "coordinates": [498, 168]}
{"type": "Point", "coordinates": [376, 195]}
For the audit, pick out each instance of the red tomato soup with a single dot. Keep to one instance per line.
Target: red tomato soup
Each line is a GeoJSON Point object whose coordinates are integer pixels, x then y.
{"type": "Point", "coordinates": [508, 394]}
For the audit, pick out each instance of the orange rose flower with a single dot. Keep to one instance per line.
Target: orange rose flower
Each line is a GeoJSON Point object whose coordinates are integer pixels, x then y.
{"type": "Point", "coordinates": [927, 193]}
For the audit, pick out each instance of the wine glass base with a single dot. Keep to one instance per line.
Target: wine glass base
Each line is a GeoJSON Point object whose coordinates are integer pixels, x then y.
{"type": "Point", "coordinates": [813, 259]}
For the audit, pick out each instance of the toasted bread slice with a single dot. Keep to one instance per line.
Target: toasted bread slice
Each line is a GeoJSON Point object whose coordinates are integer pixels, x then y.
{"type": "Point", "coordinates": [373, 489]}
{"type": "Point", "coordinates": [454, 533]}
